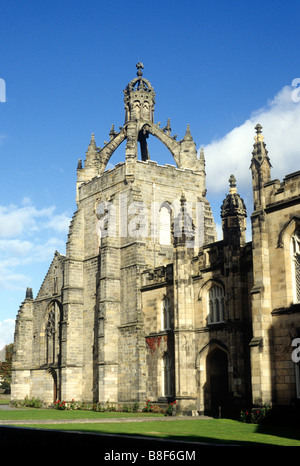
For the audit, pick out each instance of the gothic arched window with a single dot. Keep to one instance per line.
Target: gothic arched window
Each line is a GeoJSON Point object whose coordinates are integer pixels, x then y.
{"type": "Point", "coordinates": [215, 305]}
{"type": "Point", "coordinates": [165, 226]}
{"type": "Point", "coordinates": [53, 335]}
{"type": "Point", "coordinates": [295, 254]}
{"type": "Point", "coordinates": [165, 314]}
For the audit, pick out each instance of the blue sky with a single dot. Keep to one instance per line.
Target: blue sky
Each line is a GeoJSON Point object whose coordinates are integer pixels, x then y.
{"type": "Point", "coordinates": [220, 67]}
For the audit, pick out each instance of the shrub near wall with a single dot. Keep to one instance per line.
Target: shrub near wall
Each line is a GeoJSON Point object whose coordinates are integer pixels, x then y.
{"type": "Point", "coordinates": [255, 415]}
{"type": "Point", "coordinates": [98, 407]}
{"type": "Point", "coordinates": [28, 403]}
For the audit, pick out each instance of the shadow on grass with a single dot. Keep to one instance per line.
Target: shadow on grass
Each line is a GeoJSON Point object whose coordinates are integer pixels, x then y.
{"type": "Point", "coordinates": [288, 430]}
{"type": "Point", "coordinates": [106, 442]}
{"type": "Point", "coordinates": [282, 421]}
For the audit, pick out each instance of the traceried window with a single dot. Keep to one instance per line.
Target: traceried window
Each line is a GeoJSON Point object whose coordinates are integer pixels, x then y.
{"type": "Point", "coordinates": [53, 335]}
{"type": "Point", "coordinates": [295, 253]}
{"type": "Point", "coordinates": [215, 305]}
{"type": "Point", "coordinates": [165, 314]}
{"type": "Point", "coordinates": [165, 226]}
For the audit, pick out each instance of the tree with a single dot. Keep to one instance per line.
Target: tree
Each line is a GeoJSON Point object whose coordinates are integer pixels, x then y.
{"type": "Point", "coordinates": [5, 367]}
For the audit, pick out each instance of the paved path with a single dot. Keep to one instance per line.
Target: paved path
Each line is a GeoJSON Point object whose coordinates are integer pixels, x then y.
{"type": "Point", "coordinates": [8, 422]}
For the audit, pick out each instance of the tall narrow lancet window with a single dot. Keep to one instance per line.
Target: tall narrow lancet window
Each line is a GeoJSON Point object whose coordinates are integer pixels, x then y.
{"type": "Point", "coordinates": [165, 226]}
{"type": "Point", "coordinates": [53, 335]}
{"type": "Point", "coordinates": [295, 253]}
{"type": "Point", "coordinates": [165, 314]}
{"type": "Point", "coordinates": [166, 376]}
{"type": "Point", "coordinates": [215, 305]}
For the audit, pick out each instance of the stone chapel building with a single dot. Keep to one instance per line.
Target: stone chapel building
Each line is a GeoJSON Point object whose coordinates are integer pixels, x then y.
{"type": "Point", "coordinates": [146, 303]}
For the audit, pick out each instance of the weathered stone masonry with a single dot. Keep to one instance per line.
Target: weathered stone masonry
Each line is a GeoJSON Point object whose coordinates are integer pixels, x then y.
{"type": "Point", "coordinates": [146, 303]}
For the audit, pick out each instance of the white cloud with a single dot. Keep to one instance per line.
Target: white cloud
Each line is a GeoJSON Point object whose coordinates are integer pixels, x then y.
{"type": "Point", "coordinates": [58, 223]}
{"type": "Point", "coordinates": [7, 328]}
{"type": "Point", "coordinates": [16, 220]}
{"type": "Point", "coordinates": [28, 236]}
{"type": "Point", "coordinates": [280, 119]}
{"type": "Point", "coordinates": [13, 281]}
{"type": "Point", "coordinates": [15, 246]}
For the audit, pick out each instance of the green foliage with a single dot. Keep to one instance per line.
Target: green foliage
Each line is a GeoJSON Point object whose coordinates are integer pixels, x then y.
{"type": "Point", "coordinates": [107, 407]}
{"type": "Point", "coordinates": [97, 407]}
{"type": "Point", "coordinates": [126, 408]}
{"type": "Point", "coordinates": [5, 367]}
{"type": "Point", "coordinates": [170, 408]}
{"type": "Point", "coordinates": [110, 407]}
{"type": "Point", "coordinates": [255, 415]}
{"type": "Point", "coordinates": [150, 408]}
{"type": "Point", "coordinates": [5, 386]}
{"type": "Point", "coordinates": [135, 407]}
{"type": "Point", "coordinates": [28, 403]}
{"type": "Point", "coordinates": [60, 405]}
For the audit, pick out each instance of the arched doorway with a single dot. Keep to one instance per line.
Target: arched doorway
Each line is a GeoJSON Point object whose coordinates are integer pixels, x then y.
{"type": "Point", "coordinates": [52, 372]}
{"type": "Point", "coordinates": [217, 380]}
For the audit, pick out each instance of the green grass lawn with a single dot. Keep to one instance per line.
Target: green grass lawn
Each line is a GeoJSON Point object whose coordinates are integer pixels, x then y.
{"type": "Point", "coordinates": [219, 431]}
{"type": "Point", "coordinates": [56, 414]}
{"type": "Point", "coordinates": [3, 401]}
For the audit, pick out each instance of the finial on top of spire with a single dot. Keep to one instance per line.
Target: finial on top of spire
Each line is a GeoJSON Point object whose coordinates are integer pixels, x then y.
{"type": "Point", "coordinates": [258, 128]}
{"type": "Point", "coordinates": [140, 67]}
{"type": "Point", "coordinates": [232, 181]}
{"type": "Point", "coordinates": [259, 136]}
{"type": "Point", "coordinates": [232, 184]}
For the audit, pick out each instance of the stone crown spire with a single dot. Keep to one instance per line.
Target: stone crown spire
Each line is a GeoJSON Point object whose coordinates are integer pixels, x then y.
{"type": "Point", "coordinates": [233, 204]}
{"type": "Point", "coordinates": [233, 214]}
{"type": "Point", "coordinates": [139, 98]}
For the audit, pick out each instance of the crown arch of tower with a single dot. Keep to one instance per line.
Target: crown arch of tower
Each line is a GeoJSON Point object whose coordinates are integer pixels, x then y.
{"type": "Point", "coordinates": [139, 100]}
{"type": "Point", "coordinates": [143, 129]}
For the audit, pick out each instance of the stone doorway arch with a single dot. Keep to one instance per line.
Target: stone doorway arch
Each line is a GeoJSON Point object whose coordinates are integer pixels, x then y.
{"type": "Point", "coordinates": [217, 380]}
{"type": "Point", "coordinates": [212, 379]}
{"type": "Point", "coordinates": [53, 374]}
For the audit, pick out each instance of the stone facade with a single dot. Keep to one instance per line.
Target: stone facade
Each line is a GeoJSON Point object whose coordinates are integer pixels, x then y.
{"type": "Point", "coordinates": [146, 303]}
